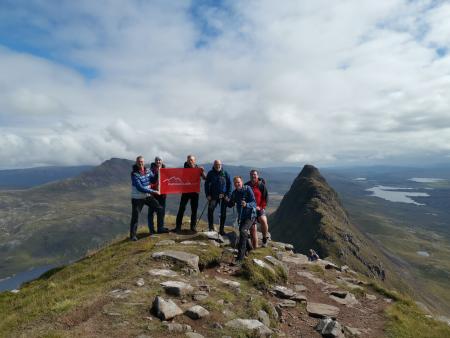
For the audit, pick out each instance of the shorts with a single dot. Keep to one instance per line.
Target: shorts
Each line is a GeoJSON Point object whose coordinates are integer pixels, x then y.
{"type": "Point", "coordinates": [260, 213]}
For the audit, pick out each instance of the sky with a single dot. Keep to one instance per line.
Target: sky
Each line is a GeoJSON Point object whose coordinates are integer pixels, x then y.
{"type": "Point", "coordinates": [264, 83]}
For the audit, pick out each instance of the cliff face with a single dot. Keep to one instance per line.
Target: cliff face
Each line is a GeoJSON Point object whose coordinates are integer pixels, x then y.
{"type": "Point", "coordinates": [311, 217]}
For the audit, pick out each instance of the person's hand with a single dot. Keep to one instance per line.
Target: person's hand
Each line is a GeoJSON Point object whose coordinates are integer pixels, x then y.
{"type": "Point", "coordinates": [220, 196]}
{"type": "Point", "coordinates": [258, 208]}
{"type": "Point", "coordinates": [208, 198]}
{"type": "Point", "coordinates": [243, 203]}
{"type": "Point", "coordinates": [227, 199]}
{"type": "Point", "coordinates": [202, 169]}
{"type": "Point", "coordinates": [156, 192]}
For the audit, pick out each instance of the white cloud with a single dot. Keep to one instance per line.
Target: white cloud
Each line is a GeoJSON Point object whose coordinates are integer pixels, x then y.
{"type": "Point", "coordinates": [255, 82]}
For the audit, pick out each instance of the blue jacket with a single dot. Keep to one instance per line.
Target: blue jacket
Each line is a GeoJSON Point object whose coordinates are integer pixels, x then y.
{"type": "Point", "coordinates": [140, 184]}
{"type": "Point", "coordinates": [216, 183]}
{"type": "Point", "coordinates": [246, 194]}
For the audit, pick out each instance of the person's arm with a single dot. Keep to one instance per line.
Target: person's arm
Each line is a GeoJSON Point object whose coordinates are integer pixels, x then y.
{"type": "Point", "coordinates": [250, 199]}
{"type": "Point", "coordinates": [231, 201]}
{"type": "Point", "coordinates": [137, 183]}
{"type": "Point", "coordinates": [265, 197]}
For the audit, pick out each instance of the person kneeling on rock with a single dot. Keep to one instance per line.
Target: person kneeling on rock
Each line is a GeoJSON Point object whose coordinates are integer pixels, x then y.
{"type": "Point", "coordinates": [245, 202]}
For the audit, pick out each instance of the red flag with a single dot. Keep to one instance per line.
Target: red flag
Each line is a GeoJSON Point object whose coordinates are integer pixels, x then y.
{"type": "Point", "coordinates": [179, 180]}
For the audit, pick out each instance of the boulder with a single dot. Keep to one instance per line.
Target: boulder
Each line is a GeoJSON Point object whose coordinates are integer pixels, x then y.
{"type": "Point", "coordinates": [185, 258]}
{"type": "Point", "coordinates": [177, 288]}
{"type": "Point", "coordinates": [197, 312]}
{"type": "Point", "coordinates": [162, 272]}
{"type": "Point", "coordinates": [322, 310]}
{"type": "Point", "coordinates": [165, 310]}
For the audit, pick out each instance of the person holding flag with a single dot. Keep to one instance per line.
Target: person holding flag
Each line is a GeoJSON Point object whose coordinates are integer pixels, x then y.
{"type": "Point", "coordinates": [190, 196]}
{"type": "Point", "coordinates": [217, 188]}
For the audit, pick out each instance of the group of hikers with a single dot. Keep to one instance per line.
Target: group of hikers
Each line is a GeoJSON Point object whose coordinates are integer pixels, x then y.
{"type": "Point", "coordinates": [250, 200]}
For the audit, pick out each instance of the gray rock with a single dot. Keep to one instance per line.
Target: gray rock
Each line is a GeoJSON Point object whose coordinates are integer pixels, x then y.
{"type": "Point", "coordinates": [352, 332]}
{"type": "Point", "coordinates": [275, 262]}
{"type": "Point", "coordinates": [140, 282]}
{"type": "Point", "coordinates": [300, 288]}
{"type": "Point", "coordinates": [217, 326]}
{"type": "Point", "coordinates": [348, 300]}
{"type": "Point", "coordinates": [330, 328]}
{"type": "Point", "coordinates": [120, 293]}
{"type": "Point", "coordinates": [339, 293]}
{"type": "Point", "coordinates": [371, 297]}
{"type": "Point", "coordinates": [196, 312]}
{"type": "Point", "coordinates": [283, 292]}
{"type": "Point", "coordinates": [250, 325]}
{"type": "Point", "coordinates": [283, 246]}
{"type": "Point", "coordinates": [177, 288]}
{"type": "Point", "coordinates": [194, 335]}
{"type": "Point", "coordinates": [165, 242]}
{"type": "Point", "coordinates": [230, 283]}
{"type": "Point", "coordinates": [162, 272]}
{"type": "Point", "coordinates": [175, 327]}
{"type": "Point", "coordinates": [263, 265]}
{"type": "Point", "coordinates": [165, 310]}
{"type": "Point", "coordinates": [274, 312]}
{"type": "Point", "coordinates": [201, 243]}
{"type": "Point", "coordinates": [287, 303]}
{"type": "Point", "coordinates": [299, 298]}
{"type": "Point", "coordinates": [322, 310]}
{"type": "Point", "coordinates": [264, 318]}
{"type": "Point", "coordinates": [179, 257]}
{"type": "Point", "coordinates": [200, 295]}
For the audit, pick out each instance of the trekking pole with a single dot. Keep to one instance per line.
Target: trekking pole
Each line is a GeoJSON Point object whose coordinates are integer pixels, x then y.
{"type": "Point", "coordinates": [204, 208]}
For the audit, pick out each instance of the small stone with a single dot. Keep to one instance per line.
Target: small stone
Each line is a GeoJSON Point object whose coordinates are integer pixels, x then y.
{"type": "Point", "coordinates": [199, 295]}
{"type": "Point", "coordinates": [217, 326]}
{"type": "Point", "coordinates": [140, 282]}
{"type": "Point", "coordinates": [165, 310]}
{"type": "Point", "coordinates": [201, 243]}
{"type": "Point", "coordinates": [348, 300]}
{"type": "Point", "coordinates": [162, 272]}
{"type": "Point", "coordinates": [177, 288]}
{"type": "Point", "coordinates": [228, 313]}
{"type": "Point", "coordinates": [287, 303]}
{"type": "Point", "coordinates": [230, 283]}
{"type": "Point", "coordinates": [251, 325]}
{"type": "Point", "coordinates": [197, 312]}
{"type": "Point", "coordinates": [165, 242]}
{"type": "Point", "coordinates": [330, 328]}
{"type": "Point", "coordinates": [283, 292]}
{"type": "Point", "coordinates": [339, 293]}
{"type": "Point", "coordinates": [176, 327]}
{"type": "Point", "coordinates": [299, 298]}
{"type": "Point", "coordinates": [194, 335]}
{"type": "Point", "coordinates": [352, 332]}
{"type": "Point", "coordinates": [264, 318]}
{"type": "Point", "coordinates": [371, 297]}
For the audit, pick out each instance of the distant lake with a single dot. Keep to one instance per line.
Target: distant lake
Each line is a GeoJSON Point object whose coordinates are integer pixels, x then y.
{"type": "Point", "coordinates": [359, 179]}
{"type": "Point", "coordinates": [14, 282]}
{"type": "Point", "coordinates": [426, 179]}
{"type": "Point", "coordinates": [396, 194]}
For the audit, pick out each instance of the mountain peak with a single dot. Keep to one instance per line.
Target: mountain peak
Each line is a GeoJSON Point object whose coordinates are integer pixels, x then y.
{"type": "Point", "coordinates": [310, 171]}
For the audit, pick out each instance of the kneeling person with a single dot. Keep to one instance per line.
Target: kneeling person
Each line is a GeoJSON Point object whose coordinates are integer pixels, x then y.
{"type": "Point", "coordinates": [245, 202]}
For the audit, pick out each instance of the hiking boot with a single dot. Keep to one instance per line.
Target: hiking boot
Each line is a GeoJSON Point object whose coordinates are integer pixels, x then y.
{"type": "Point", "coordinates": [211, 229]}
{"type": "Point", "coordinates": [134, 239]}
{"type": "Point", "coordinates": [264, 242]}
{"type": "Point", "coordinates": [152, 231]}
{"type": "Point", "coordinates": [163, 231]}
{"type": "Point", "coordinates": [222, 232]}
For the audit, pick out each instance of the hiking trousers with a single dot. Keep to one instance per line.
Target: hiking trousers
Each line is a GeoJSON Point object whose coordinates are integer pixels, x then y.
{"type": "Point", "coordinates": [244, 228]}
{"type": "Point", "coordinates": [136, 207]}
{"type": "Point", "coordinates": [160, 214]}
{"type": "Point", "coordinates": [223, 213]}
{"type": "Point", "coordinates": [185, 198]}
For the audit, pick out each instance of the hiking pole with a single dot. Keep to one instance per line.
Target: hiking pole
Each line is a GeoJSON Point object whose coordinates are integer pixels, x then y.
{"type": "Point", "coordinates": [204, 208]}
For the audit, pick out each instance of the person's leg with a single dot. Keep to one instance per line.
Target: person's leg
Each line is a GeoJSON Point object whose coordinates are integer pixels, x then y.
{"type": "Point", "coordinates": [223, 215]}
{"type": "Point", "coordinates": [264, 228]}
{"type": "Point", "coordinates": [151, 226]}
{"type": "Point", "coordinates": [160, 213]}
{"type": "Point", "coordinates": [254, 236]}
{"type": "Point", "coordinates": [183, 201]}
{"type": "Point", "coordinates": [153, 203]}
{"type": "Point", "coordinates": [211, 206]}
{"type": "Point", "coordinates": [136, 207]}
{"type": "Point", "coordinates": [243, 237]}
{"type": "Point", "coordinates": [194, 208]}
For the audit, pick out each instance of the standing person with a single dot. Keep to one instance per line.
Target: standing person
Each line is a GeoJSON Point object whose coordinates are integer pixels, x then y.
{"type": "Point", "coordinates": [141, 193]}
{"type": "Point", "coordinates": [190, 196]}
{"type": "Point", "coordinates": [258, 186]}
{"type": "Point", "coordinates": [245, 202]}
{"type": "Point", "coordinates": [217, 187]}
{"type": "Point", "coordinates": [160, 212]}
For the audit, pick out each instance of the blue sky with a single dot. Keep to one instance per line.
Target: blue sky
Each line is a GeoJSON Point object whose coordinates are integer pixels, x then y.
{"type": "Point", "coordinates": [252, 82]}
